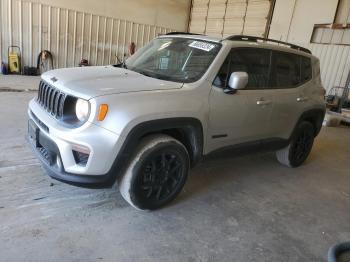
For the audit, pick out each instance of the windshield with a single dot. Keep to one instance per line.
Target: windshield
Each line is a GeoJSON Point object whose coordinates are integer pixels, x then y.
{"type": "Point", "coordinates": [175, 59]}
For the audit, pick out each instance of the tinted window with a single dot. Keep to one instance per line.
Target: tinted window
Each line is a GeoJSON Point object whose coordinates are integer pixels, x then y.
{"type": "Point", "coordinates": [306, 69]}
{"type": "Point", "coordinates": [221, 78]}
{"type": "Point", "coordinates": [174, 59]}
{"type": "Point", "coordinates": [254, 61]}
{"type": "Point", "coordinates": [286, 70]}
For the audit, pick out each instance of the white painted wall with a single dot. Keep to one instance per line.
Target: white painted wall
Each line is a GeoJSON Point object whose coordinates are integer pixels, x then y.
{"type": "Point", "coordinates": [222, 18]}
{"type": "Point", "coordinates": [293, 21]}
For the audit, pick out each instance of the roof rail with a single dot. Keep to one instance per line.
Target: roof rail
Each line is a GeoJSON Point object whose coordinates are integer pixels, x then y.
{"type": "Point", "coordinates": [256, 39]}
{"type": "Point", "coordinates": [181, 33]}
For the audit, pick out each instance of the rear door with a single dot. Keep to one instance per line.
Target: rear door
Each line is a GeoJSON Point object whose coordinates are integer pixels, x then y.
{"type": "Point", "coordinates": [290, 77]}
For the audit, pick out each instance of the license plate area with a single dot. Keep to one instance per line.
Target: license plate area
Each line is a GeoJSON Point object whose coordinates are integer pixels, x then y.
{"type": "Point", "coordinates": [45, 147]}
{"type": "Point", "coordinates": [33, 132]}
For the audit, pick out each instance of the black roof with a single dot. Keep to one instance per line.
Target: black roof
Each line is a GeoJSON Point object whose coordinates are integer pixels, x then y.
{"type": "Point", "coordinates": [257, 39]}
{"type": "Point", "coordinates": [249, 38]}
{"type": "Point", "coordinates": [181, 33]}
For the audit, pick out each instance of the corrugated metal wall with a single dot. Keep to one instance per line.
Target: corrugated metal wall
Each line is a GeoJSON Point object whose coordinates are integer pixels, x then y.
{"type": "Point", "coordinates": [335, 63]}
{"type": "Point", "coordinates": [228, 17]}
{"type": "Point", "coordinates": [69, 34]}
{"type": "Point", "coordinates": [332, 47]}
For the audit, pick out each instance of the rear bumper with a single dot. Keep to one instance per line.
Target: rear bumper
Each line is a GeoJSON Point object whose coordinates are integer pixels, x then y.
{"type": "Point", "coordinates": [48, 153]}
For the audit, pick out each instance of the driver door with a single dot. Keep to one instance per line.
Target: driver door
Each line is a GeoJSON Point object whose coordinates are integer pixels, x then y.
{"type": "Point", "coordinates": [244, 116]}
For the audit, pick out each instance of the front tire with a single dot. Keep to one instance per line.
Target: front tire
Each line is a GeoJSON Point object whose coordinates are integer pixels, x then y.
{"type": "Point", "coordinates": [299, 148]}
{"type": "Point", "coordinates": [156, 173]}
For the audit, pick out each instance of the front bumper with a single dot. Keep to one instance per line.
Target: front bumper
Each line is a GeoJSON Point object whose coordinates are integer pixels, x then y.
{"type": "Point", "coordinates": [54, 147]}
{"type": "Point", "coordinates": [47, 152]}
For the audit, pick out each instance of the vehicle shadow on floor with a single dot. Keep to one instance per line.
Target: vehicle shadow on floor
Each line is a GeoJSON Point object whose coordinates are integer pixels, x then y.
{"type": "Point", "coordinates": [205, 177]}
{"type": "Point", "coordinates": [232, 167]}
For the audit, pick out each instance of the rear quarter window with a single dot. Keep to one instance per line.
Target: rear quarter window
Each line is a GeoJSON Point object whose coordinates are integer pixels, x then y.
{"type": "Point", "coordinates": [290, 70]}
{"type": "Point", "coordinates": [306, 69]}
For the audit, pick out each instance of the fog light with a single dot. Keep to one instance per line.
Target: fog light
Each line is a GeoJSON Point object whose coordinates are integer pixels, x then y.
{"type": "Point", "coordinates": [80, 148]}
{"type": "Point", "coordinates": [80, 158]}
{"type": "Point", "coordinates": [81, 154]}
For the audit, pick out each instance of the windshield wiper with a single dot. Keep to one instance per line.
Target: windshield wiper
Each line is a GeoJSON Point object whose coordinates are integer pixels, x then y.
{"type": "Point", "coordinates": [121, 65]}
{"type": "Point", "coordinates": [145, 73]}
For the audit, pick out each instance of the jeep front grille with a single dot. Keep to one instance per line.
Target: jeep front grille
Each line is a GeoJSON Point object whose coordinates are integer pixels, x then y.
{"type": "Point", "coordinates": [51, 99]}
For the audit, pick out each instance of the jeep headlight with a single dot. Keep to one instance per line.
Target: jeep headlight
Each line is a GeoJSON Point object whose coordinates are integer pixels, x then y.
{"type": "Point", "coordinates": [82, 109]}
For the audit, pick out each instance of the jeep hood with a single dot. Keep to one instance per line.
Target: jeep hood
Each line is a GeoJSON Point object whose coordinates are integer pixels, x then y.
{"type": "Point", "coordinates": [89, 82]}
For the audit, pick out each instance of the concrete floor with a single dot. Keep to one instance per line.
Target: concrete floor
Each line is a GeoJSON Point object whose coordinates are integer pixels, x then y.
{"type": "Point", "coordinates": [247, 208]}
{"type": "Point", "coordinates": [18, 83]}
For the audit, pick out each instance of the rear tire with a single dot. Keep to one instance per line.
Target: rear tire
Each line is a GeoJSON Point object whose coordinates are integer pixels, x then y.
{"type": "Point", "coordinates": [299, 148]}
{"type": "Point", "coordinates": [156, 173]}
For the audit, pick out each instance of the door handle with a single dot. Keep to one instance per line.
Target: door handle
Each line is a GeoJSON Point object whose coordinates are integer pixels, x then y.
{"type": "Point", "coordinates": [263, 102]}
{"type": "Point", "coordinates": [302, 99]}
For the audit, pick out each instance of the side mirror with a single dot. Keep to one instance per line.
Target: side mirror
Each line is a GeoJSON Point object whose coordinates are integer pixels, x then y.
{"type": "Point", "coordinates": [237, 81]}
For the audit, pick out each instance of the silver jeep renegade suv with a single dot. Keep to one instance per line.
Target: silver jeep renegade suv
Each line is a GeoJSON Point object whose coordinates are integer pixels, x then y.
{"type": "Point", "coordinates": [143, 123]}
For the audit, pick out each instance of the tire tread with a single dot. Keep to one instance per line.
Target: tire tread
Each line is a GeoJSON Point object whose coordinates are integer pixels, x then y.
{"type": "Point", "coordinates": [284, 155]}
{"type": "Point", "coordinates": [124, 182]}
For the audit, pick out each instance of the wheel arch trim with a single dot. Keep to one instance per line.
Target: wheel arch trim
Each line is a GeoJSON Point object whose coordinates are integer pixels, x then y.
{"type": "Point", "coordinates": [192, 128]}
{"type": "Point", "coordinates": [315, 116]}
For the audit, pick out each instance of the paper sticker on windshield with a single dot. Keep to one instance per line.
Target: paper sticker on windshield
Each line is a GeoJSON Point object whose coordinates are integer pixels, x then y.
{"type": "Point", "coordinates": [202, 45]}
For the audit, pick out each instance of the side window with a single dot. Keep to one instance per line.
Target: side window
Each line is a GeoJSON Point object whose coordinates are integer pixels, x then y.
{"type": "Point", "coordinates": [286, 70]}
{"type": "Point", "coordinates": [306, 69]}
{"type": "Point", "coordinates": [255, 62]}
{"type": "Point", "coordinates": [221, 78]}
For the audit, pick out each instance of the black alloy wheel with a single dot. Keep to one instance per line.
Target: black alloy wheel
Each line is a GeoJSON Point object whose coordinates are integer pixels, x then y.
{"type": "Point", "coordinates": [302, 144]}
{"type": "Point", "coordinates": [160, 176]}
{"type": "Point", "coordinates": [156, 174]}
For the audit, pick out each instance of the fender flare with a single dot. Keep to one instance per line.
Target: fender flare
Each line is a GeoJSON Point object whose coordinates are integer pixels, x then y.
{"type": "Point", "coordinates": [315, 116]}
{"type": "Point", "coordinates": [191, 126]}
